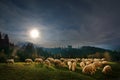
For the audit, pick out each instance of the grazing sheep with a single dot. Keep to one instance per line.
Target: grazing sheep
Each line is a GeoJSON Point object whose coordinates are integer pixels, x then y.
{"type": "Point", "coordinates": [47, 62]}
{"type": "Point", "coordinates": [28, 61]}
{"type": "Point", "coordinates": [90, 60]}
{"type": "Point", "coordinates": [50, 59]}
{"type": "Point", "coordinates": [57, 62]}
{"type": "Point", "coordinates": [89, 69]}
{"type": "Point", "coordinates": [103, 59]}
{"type": "Point", "coordinates": [69, 63]}
{"type": "Point", "coordinates": [98, 64]}
{"type": "Point", "coordinates": [96, 60]}
{"type": "Point", "coordinates": [87, 62]}
{"type": "Point", "coordinates": [104, 62]}
{"type": "Point", "coordinates": [65, 61]}
{"type": "Point", "coordinates": [73, 66]}
{"type": "Point", "coordinates": [82, 64]}
{"type": "Point", "coordinates": [83, 60]}
{"type": "Point", "coordinates": [10, 61]}
{"type": "Point", "coordinates": [107, 69]}
{"type": "Point", "coordinates": [62, 59]}
{"type": "Point", "coordinates": [38, 60]}
{"type": "Point", "coordinates": [63, 64]}
{"type": "Point", "coordinates": [78, 60]}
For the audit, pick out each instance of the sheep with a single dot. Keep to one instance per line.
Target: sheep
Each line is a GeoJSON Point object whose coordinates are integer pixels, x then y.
{"type": "Point", "coordinates": [73, 66]}
{"type": "Point", "coordinates": [57, 62]}
{"type": "Point", "coordinates": [65, 61]}
{"type": "Point", "coordinates": [47, 62]}
{"type": "Point", "coordinates": [107, 69]}
{"type": "Point", "coordinates": [87, 62]}
{"type": "Point", "coordinates": [10, 61]}
{"type": "Point", "coordinates": [62, 59]}
{"type": "Point", "coordinates": [78, 59]}
{"type": "Point", "coordinates": [104, 62]}
{"type": "Point", "coordinates": [69, 63]}
{"type": "Point", "coordinates": [103, 59]}
{"type": "Point", "coordinates": [96, 60]}
{"type": "Point", "coordinates": [83, 60]}
{"type": "Point", "coordinates": [38, 60]}
{"type": "Point", "coordinates": [98, 64]}
{"type": "Point", "coordinates": [89, 69]}
{"type": "Point", "coordinates": [50, 59]}
{"type": "Point", "coordinates": [28, 60]}
{"type": "Point", "coordinates": [63, 64]}
{"type": "Point", "coordinates": [90, 60]}
{"type": "Point", "coordinates": [82, 64]}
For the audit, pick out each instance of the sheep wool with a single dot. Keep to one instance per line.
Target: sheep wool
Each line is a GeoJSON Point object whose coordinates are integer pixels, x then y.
{"type": "Point", "coordinates": [69, 65]}
{"type": "Point", "coordinates": [89, 69]}
{"type": "Point", "coordinates": [10, 61]}
{"type": "Point", "coordinates": [28, 60]}
{"type": "Point", "coordinates": [73, 66]}
{"type": "Point", "coordinates": [38, 60]}
{"type": "Point", "coordinates": [82, 64]}
{"type": "Point", "coordinates": [47, 62]}
{"type": "Point", "coordinates": [107, 69]}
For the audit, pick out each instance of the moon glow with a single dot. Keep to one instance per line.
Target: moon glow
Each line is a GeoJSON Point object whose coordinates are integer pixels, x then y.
{"type": "Point", "coordinates": [34, 33]}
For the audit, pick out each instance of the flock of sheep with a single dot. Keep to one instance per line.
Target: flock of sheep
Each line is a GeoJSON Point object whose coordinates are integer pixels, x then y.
{"type": "Point", "coordinates": [89, 66]}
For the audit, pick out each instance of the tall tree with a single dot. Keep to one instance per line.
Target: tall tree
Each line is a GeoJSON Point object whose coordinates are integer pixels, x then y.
{"type": "Point", "coordinates": [6, 44]}
{"type": "Point", "coordinates": [107, 56]}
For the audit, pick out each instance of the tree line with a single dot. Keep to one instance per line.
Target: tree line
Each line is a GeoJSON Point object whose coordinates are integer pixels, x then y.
{"type": "Point", "coordinates": [29, 50]}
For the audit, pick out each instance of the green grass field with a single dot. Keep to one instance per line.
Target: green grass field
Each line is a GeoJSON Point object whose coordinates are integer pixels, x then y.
{"type": "Point", "coordinates": [22, 71]}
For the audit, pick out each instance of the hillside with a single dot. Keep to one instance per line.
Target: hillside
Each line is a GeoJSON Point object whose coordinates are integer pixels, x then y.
{"type": "Point", "coordinates": [21, 71]}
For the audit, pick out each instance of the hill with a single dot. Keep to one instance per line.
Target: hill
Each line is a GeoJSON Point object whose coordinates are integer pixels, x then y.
{"type": "Point", "coordinates": [22, 71]}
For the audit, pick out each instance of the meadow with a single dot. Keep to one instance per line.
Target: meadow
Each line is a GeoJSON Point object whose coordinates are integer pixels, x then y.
{"type": "Point", "coordinates": [22, 71]}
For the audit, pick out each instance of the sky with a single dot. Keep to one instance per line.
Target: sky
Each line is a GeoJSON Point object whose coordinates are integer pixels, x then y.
{"type": "Point", "coordinates": [62, 22]}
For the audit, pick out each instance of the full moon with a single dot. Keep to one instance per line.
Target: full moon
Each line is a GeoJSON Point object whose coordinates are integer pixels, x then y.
{"type": "Point", "coordinates": [34, 33]}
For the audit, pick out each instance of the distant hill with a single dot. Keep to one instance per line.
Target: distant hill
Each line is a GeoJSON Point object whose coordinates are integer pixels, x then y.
{"type": "Point", "coordinates": [90, 49]}
{"type": "Point", "coordinates": [84, 49]}
{"type": "Point", "coordinates": [76, 52]}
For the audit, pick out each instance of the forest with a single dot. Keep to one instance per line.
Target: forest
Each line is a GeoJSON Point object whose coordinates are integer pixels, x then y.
{"type": "Point", "coordinates": [29, 50]}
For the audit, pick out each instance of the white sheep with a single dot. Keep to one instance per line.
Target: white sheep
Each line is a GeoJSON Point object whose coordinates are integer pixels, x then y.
{"type": "Point", "coordinates": [62, 59]}
{"type": "Point", "coordinates": [50, 59]}
{"type": "Point", "coordinates": [103, 59]}
{"type": "Point", "coordinates": [83, 60]}
{"type": "Point", "coordinates": [38, 60]}
{"type": "Point", "coordinates": [98, 64]}
{"type": "Point", "coordinates": [104, 62]}
{"type": "Point", "coordinates": [73, 66]}
{"type": "Point", "coordinates": [47, 62]}
{"type": "Point", "coordinates": [87, 62]}
{"type": "Point", "coordinates": [63, 64]}
{"type": "Point", "coordinates": [82, 64]}
{"type": "Point", "coordinates": [107, 69]}
{"type": "Point", "coordinates": [65, 61]}
{"type": "Point", "coordinates": [57, 62]}
{"type": "Point", "coordinates": [96, 60]}
{"type": "Point", "coordinates": [89, 69]}
{"type": "Point", "coordinates": [28, 60]}
{"type": "Point", "coordinates": [90, 59]}
{"type": "Point", "coordinates": [78, 59]}
{"type": "Point", "coordinates": [69, 63]}
{"type": "Point", "coordinates": [10, 61]}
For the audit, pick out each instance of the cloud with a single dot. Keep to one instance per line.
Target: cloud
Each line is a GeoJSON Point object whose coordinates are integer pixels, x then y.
{"type": "Point", "coordinates": [84, 22]}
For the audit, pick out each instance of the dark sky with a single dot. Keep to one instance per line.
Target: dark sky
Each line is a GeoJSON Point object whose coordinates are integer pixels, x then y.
{"type": "Point", "coordinates": [62, 22]}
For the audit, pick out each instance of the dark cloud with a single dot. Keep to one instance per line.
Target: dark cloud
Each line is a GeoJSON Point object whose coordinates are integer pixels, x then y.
{"type": "Point", "coordinates": [61, 22]}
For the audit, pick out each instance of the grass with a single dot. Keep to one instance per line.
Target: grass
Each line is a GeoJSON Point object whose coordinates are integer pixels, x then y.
{"type": "Point", "coordinates": [21, 71]}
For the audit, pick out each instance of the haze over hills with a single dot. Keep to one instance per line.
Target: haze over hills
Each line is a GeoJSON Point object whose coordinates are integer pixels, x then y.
{"type": "Point", "coordinates": [86, 49]}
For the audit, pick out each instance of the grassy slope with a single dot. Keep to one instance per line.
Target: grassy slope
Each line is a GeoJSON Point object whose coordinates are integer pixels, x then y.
{"type": "Point", "coordinates": [21, 71]}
